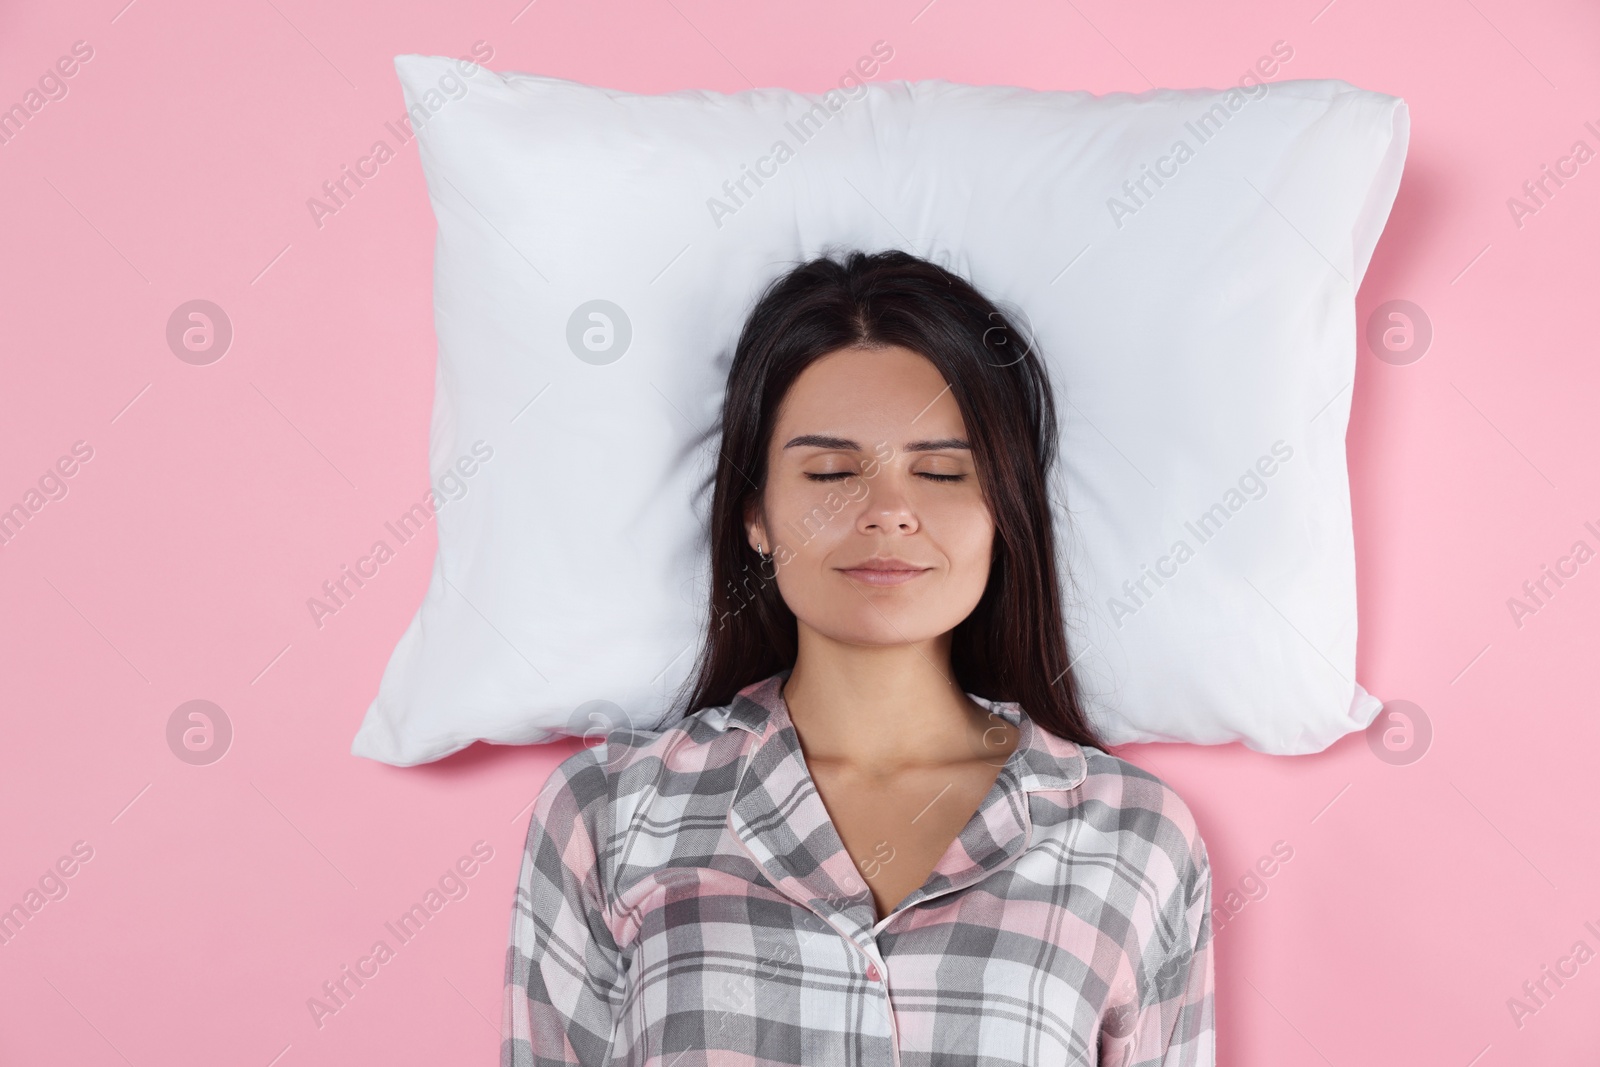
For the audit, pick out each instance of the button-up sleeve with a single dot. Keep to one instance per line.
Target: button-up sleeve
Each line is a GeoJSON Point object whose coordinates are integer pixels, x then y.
{"type": "Point", "coordinates": [564, 982]}
{"type": "Point", "coordinates": [1177, 1025]}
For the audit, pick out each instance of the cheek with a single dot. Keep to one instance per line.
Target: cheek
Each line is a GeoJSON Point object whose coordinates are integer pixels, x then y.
{"type": "Point", "coordinates": [805, 581]}
{"type": "Point", "coordinates": [811, 523]}
{"type": "Point", "coordinates": [964, 531]}
{"type": "Point", "coordinates": [811, 518]}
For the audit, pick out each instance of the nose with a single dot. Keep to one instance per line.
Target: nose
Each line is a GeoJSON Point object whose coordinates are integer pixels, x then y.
{"type": "Point", "coordinates": [888, 507]}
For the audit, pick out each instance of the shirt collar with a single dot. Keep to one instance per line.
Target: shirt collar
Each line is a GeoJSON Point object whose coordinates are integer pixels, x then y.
{"type": "Point", "coordinates": [779, 818]}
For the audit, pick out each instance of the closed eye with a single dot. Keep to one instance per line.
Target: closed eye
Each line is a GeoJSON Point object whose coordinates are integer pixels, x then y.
{"type": "Point", "coordinates": [835, 476]}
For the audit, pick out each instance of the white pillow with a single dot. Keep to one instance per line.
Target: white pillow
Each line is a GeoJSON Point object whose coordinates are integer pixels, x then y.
{"type": "Point", "coordinates": [1187, 261]}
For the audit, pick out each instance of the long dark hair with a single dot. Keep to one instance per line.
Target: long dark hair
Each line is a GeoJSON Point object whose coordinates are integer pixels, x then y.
{"type": "Point", "coordinates": [1012, 647]}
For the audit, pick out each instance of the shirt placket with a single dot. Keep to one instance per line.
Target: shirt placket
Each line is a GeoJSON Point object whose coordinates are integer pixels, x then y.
{"type": "Point", "coordinates": [779, 818]}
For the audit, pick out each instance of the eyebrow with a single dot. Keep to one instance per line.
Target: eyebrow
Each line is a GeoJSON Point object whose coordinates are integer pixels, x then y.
{"type": "Point", "coordinates": [844, 444]}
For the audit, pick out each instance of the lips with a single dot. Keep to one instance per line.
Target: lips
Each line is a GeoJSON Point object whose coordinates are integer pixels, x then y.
{"type": "Point", "coordinates": [884, 572]}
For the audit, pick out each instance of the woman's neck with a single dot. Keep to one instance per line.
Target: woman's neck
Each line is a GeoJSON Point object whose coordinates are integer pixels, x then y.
{"type": "Point", "coordinates": [886, 709]}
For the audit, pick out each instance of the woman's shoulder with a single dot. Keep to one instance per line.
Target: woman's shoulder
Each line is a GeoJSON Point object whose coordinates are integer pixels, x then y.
{"type": "Point", "coordinates": [1128, 799]}
{"type": "Point", "coordinates": [620, 764]}
{"type": "Point", "coordinates": [638, 797]}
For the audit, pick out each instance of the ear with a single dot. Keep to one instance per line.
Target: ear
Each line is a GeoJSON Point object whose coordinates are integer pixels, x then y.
{"type": "Point", "coordinates": [755, 530]}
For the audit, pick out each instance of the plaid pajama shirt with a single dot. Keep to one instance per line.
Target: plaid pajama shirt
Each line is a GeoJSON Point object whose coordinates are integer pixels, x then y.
{"type": "Point", "coordinates": [684, 900]}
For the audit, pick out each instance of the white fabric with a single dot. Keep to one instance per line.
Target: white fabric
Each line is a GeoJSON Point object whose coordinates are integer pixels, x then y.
{"type": "Point", "coordinates": [1200, 333]}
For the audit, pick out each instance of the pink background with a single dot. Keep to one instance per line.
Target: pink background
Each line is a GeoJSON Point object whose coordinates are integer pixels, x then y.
{"type": "Point", "coordinates": [1419, 897]}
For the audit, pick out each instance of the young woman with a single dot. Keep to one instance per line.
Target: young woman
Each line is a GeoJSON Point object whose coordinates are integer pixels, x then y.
{"type": "Point", "coordinates": [885, 832]}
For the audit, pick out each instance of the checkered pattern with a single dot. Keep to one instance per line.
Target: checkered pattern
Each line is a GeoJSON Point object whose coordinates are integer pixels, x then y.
{"type": "Point", "coordinates": [685, 901]}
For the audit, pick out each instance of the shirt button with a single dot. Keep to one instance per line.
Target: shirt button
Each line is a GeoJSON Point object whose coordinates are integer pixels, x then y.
{"type": "Point", "coordinates": [872, 971]}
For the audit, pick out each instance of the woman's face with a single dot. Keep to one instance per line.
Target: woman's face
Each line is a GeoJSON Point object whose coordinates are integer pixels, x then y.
{"type": "Point", "coordinates": [869, 467]}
